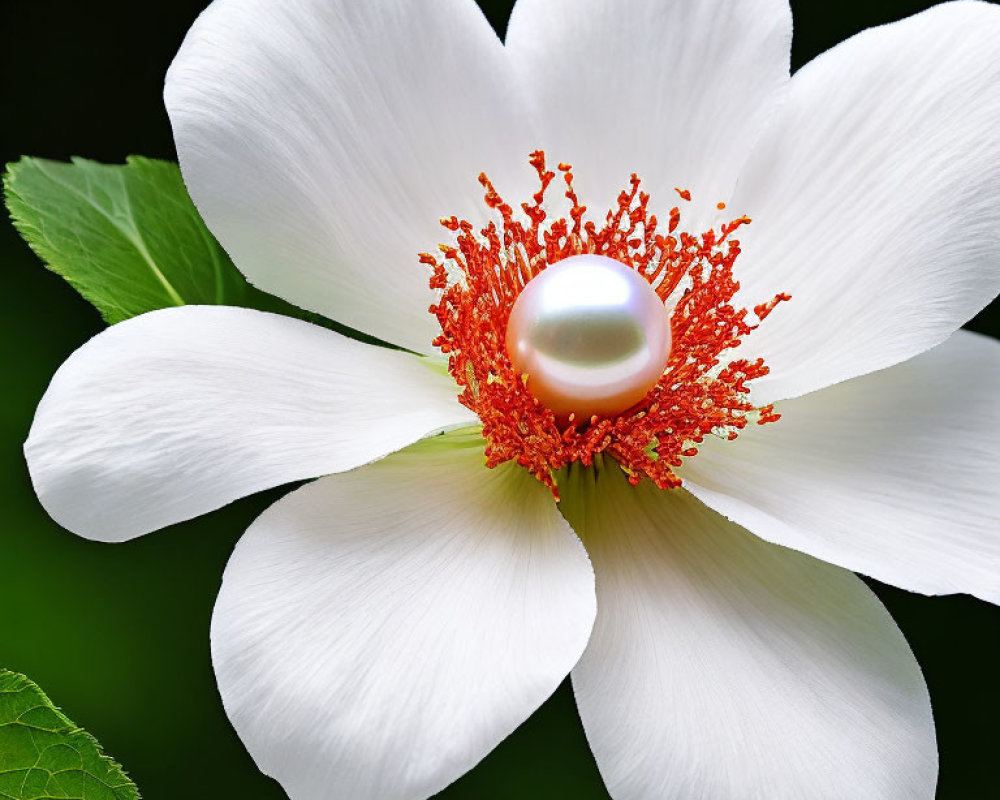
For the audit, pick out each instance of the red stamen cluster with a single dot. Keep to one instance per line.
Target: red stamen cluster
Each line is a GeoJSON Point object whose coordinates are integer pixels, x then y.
{"type": "Point", "coordinates": [697, 395]}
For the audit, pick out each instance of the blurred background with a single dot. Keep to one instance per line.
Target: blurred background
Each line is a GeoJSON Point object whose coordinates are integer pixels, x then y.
{"type": "Point", "coordinates": [118, 634]}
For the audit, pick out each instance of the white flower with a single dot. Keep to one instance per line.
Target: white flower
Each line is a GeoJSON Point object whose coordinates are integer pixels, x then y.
{"type": "Point", "coordinates": [381, 629]}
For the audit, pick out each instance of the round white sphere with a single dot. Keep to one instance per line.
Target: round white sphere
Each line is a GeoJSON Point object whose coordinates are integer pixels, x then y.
{"type": "Point", "coordinates": [592, 336]}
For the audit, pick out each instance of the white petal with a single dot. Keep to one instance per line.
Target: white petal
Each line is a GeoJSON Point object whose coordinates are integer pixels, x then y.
{"type": "Point", "coordinates": [675, 91]}
{"type": "Point", "coordinates": [893, 474]}
{"type": "Point", "coordinates": [875, 200]}
{"type": "Point", "coordinates": [322, 140]}
{"type": "Point", "coordinates": [380, 631]}
{"type": "Point", "coordinates": [724, 668]}
{"type": "Point", "coordinates": [177, 412]}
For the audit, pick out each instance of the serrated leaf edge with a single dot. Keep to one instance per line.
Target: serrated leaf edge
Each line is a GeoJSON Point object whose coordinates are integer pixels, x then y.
{"type": "Point", "coordinates": [69, 729]}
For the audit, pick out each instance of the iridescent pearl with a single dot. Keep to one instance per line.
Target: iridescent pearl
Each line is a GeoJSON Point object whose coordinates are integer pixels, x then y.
{"type": "Point", "coordinates": [591, 335]}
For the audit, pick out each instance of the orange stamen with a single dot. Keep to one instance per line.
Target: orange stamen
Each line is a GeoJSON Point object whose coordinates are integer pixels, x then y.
{"type": "Point", "coordinates": [698, 395]}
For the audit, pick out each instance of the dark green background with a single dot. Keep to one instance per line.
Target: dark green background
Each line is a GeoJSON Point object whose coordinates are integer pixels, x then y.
{"type": "Point", "coordinates": [118, 634]}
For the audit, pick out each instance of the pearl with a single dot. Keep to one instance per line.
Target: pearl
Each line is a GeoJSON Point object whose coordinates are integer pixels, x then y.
{"type": "Point", "coordinates": [591, 335]}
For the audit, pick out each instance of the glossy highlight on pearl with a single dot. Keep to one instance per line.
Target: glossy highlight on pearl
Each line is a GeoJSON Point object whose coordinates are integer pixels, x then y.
{"type": "Point", "coordinates": [591, 335]}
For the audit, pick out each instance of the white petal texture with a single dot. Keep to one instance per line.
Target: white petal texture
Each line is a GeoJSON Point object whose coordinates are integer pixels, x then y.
{"type": "Point", "coordinates": [322, 140]}
{"type": "Point", "coordinates": [874, 200]}
{"type": "Point", "coordinates": [380, 631]}
{"type": "Point", "coordinates": [675, 90]}
{"type": "Point", "coordinates": [893, 474]}
{"type": "Point", "coordinates": [722, 667]}
{"type": "Point", "coordinates": [174, 413]}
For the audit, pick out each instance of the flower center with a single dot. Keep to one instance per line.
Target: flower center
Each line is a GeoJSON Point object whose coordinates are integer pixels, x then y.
{"type": "Point", "coordinates": [590, 335]}
{"type": "Point", "coordinates": [571, 339]}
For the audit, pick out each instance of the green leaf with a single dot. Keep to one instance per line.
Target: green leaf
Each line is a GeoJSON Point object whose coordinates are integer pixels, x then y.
{"type": "Point", "coordinates": [44, 756]}
{"type": "Point", "coordinates": [127, 237]}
